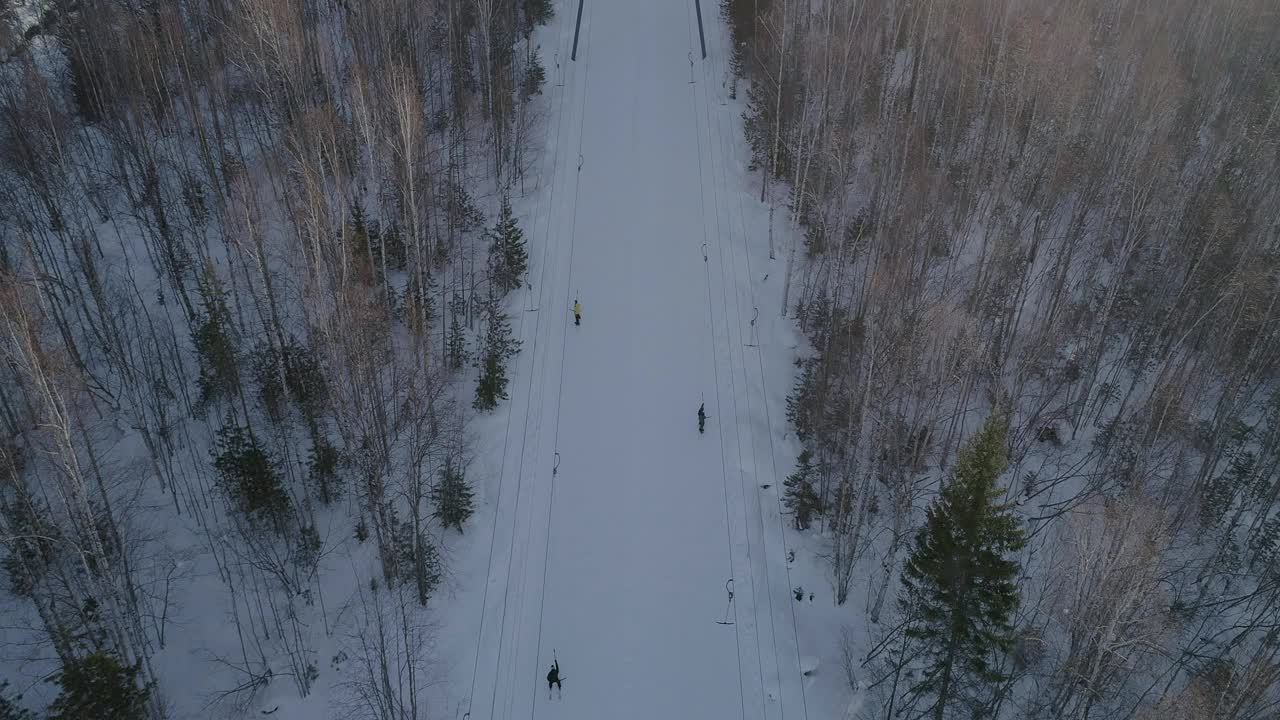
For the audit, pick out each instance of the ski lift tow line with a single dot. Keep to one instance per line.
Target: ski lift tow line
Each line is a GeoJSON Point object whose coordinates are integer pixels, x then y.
{"type": "Point", "coordinates": [724, 473]}
{"type": "Point", "coordinates": [555, 442]}
{"type": "Point", "coordinates": [729, 271]}
{"type": "Point", "coordinates": [750, 437]}
{"type": "Point", "coordinates": [773, 457]}
{"type": "Point", "coordinates": [734, 319]}
{"type": "Point", "coordinates": [501, 473]}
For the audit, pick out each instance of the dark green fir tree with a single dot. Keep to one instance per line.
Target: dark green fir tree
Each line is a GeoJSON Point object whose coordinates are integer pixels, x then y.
{"type": "Point", "coordinates": [454, 500]}
{"type": "Point", "coordinates": [249, 477]}
{"type": "Point", "coordinates": [417, 561]}
{"type": "Point", "coordinates": [535, 76]}
{"type": "Point", "coordinates": [456, 347]}
{"type": "Point", "coordinates": [9, 707]}
{"type": "Point", "coordinates": [960, 583]}
{"type": "Point", "coordinates": [801, 499]}
{"type": "Point", "coordinates": [507, 252]}
{"type": "Point", "coordinates": [498, 348]}
{"type": "Point", "coordinates": [101, 687]}
{"type": "Point", "coordinates": [214, 338]}
{"type": "Point", "coordinates": [536, 12]}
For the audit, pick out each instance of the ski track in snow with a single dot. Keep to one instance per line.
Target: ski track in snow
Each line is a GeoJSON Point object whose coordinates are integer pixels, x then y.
{"type": "Point", "coordinates": [617, 524]}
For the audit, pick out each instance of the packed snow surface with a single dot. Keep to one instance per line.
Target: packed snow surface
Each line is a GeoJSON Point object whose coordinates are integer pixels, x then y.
{"type": "Point", "coordinates": [616, 525]}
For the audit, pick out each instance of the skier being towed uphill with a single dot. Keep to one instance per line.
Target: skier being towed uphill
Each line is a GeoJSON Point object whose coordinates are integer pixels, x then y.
{"type": "Point", "coordinates": [553, 678]}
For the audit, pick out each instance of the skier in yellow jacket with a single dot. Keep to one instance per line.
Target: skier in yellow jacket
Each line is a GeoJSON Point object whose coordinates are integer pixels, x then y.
{"type": "Point", "coordinates": [577, 312]}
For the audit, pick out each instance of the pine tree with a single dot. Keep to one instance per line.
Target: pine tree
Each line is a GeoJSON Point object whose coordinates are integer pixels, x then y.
{"type": "Point", "coordinates": [101, 687]}
{"type": "Point", "coordinates": [214, 340]}
{"type": "Point", "coordinates": [453, 497]}
{"type": "Point", "coordinates": [959, 584]}
{"type": "Point", "coordinates": [507, 253]}
{"type": "Point", "coordinates": [800, 497]}
{"type": "Point", "coordinates": [498, 348]}
{"type": "Point", "coordinates": [249, 476]}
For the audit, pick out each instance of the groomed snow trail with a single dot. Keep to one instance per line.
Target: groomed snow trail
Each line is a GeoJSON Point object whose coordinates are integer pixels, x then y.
{"type": "Point", "coordinates": [617, 523]}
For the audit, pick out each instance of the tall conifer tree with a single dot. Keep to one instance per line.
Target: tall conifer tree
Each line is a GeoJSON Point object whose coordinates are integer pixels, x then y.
{"type": "Point", "coordinates": [960, 582]}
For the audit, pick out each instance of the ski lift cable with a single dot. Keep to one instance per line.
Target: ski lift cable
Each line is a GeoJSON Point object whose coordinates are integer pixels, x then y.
{"type": "Point", "coordinates": [537, 431]}
{"type": "Point", "coordinates": [538, 425]}
{"type": "Point", "coordinates": [564, 339]}
{"type": "Point", "coordinates": [773, 457]}
{"type": "Point", "coordinates": [725, 149]}
{"type": "Point", "coordinates": [724, 473]}
{"type": "Point", "coordinates": [501, 473]}
{"type": "Point", "coordinates": [539, 361]}
{"type": "Point", "coordinates": [732, 314]}
{"type": "Point", "coordinates": [730, 271]}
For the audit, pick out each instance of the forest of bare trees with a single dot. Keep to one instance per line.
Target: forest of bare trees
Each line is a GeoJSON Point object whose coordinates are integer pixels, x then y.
{"type": "Point", "coordinates": [1067, 213]}
{"type": "Point", "coordinates": [242, 262]}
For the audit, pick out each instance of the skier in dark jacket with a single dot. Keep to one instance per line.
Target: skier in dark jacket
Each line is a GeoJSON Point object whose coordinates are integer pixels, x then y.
{"type": "Point", "coordinates": [702, 418]}
{"type": "Point", "coordinates": [553, 678]}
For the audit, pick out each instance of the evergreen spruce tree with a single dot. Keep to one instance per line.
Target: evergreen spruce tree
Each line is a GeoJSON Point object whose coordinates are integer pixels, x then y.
{"type": "Point", "coordinates": [214, 340]}
{"type": "Point", "coordinates": [535, 76]}
{"type": "Point", "coordinates": [464, 214]}
{"type": "Point", "coordinates": [324, 468]}
{"type": "Point", "coordinates": [536, 12]}
{"type": "Point", "coordinates": [453, 497]}
{"type": "Point", "coordinates": [305, 380]}
{"type": "Point", "coordinates": [9, 708]}
{"type": "Point", "coordinates": [390, 241]}
{"type": "Point", "coordinates": [456, 348]}
{"type": "Point", "coordinates": [419, 309]}
{"type": "Point", "coordinates": [101, 687]}
{"type": "Point", "coordinates": [264, 366]}
{"type": "Point", "coordinates": [959, 584]}
{"type": "Point", "coordinates": [417, 561]}
{"type": "Point", "coordinates": [250, 478]}
{"type": "Point", "coordinates": [800, 497]}
{"type": "Point", "coordinates": [33, 547]}
{"type": "Point", "coordinates": [84, 72]}
{"type": "Point", "coordinates": [507, 253]}
{"type": "Point", "coordinates": [498, 348]}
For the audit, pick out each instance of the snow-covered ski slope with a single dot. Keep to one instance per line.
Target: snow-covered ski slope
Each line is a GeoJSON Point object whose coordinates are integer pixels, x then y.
{"type": "Point", "coordinates": [616, 525]}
